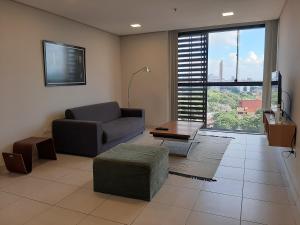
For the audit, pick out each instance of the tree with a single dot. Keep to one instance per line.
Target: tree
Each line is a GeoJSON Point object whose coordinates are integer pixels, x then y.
{"type": "Point", "coordinates": [222, 104]}
{"type": "Point", "coordinates": [226, 120]}
{"type": "Point", "coordinates": [251, 123]}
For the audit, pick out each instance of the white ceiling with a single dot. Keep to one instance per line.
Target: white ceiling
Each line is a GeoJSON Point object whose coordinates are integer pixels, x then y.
{"type": "Point", "coordinates": [115, 16]}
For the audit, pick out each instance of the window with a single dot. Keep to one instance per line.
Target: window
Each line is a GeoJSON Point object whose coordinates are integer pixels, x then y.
{"type": "Point", "coordinates": [220, 76]}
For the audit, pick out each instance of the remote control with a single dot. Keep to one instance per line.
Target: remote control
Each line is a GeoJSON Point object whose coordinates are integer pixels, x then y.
{"type": "Point", "coordinates": [161, 128]}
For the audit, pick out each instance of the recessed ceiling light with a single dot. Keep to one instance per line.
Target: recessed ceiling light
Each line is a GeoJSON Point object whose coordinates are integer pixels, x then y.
{"type": "Point", "coordinates": [228, 14]}
{"type": "Point", "coordinates": [135, 25]}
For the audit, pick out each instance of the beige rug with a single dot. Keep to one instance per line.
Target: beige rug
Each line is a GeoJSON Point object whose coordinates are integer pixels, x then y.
{"type": "Point", "coordinates": [204, 154]}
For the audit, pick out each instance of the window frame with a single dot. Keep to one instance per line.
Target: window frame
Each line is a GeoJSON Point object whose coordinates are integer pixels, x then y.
{"type": "Point", "coordinates": [235, 83]}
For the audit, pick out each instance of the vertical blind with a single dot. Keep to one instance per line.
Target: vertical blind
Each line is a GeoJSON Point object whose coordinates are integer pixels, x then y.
{"type": "Point", "coordinates": [192, 76]}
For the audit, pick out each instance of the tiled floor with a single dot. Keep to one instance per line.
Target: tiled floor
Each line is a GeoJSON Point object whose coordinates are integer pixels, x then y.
{"type": "Point", "coordinates": [249, 190]}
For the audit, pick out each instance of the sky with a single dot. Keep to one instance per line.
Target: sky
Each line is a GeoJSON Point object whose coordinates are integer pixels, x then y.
{"type": "Point", "coordinates": [223, 46]}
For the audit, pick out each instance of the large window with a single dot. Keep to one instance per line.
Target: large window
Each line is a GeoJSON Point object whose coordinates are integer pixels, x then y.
{"type": "Point", "coordinates": [220, 76]}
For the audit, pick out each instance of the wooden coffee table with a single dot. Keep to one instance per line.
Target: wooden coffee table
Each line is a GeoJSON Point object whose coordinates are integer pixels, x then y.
{"type": "Point", "coordinates": [179, 137]}
{"type": "Point", "coordinates": [183, 130]}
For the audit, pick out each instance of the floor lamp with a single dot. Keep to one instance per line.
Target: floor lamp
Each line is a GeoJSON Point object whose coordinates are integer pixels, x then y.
{"type": "Point", "coordinates": [144, 69]}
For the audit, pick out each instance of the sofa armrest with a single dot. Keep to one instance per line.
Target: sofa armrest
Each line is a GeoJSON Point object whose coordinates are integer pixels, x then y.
{"type": "Point", "coordinates": [77, 136]}
{"type": "Point", "coordinates": [129, 112]}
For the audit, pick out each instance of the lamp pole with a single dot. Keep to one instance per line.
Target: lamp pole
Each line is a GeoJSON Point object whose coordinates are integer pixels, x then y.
{"type": "Point", "coordinates": [144, 69]}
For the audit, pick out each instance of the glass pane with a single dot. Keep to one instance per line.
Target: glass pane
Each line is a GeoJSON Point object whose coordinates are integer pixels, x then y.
{"type": "Point", "coordinates": [274, 97]}
{"type": "Point", "coordinates": [222, 51]}
{"type": "Point", "coordinates": [251, 61]}
{"type": "Point", "coordinates": [235, 108]}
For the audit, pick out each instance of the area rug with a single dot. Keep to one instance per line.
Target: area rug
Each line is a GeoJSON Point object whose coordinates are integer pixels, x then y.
{"type": "Point", "coordinates": [202, 155]}
{"type": "Point", "coordinates": [203, 158]}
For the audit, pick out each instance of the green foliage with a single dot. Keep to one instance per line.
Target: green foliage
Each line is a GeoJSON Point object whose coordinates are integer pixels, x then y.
{"type": "Point", "coordinates": [222, 98]}
{"type": "Point", "coordinates": [251, 123]}
{"type": "Point", "coordinates": [223, 104]}
{"type": "Point", "coordinates": [226, 120]}
{"type": "Point", "coordinates": [247, 96]}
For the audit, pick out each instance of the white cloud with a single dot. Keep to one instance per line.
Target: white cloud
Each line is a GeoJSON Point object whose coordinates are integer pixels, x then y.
{"type": "Point", "coordinates": [223, 38]}
{"type": "Point", "coordinates": [252, 66]}
{"type": "Point", "coordinates": [252, 58]}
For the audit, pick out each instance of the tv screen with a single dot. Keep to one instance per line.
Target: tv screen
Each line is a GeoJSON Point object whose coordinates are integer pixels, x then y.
{"type": "Point", "coordinates": [276, 90]}
{"type": "Point", "coordinates": [63, 64]}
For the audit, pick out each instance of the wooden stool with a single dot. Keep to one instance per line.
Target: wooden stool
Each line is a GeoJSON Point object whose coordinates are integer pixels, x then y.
{"type": "Point", "coordinates": [20, 160]}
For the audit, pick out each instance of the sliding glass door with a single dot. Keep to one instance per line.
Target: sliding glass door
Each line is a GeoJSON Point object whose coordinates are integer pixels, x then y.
{"type": "Point", "coordinates": [220, 76]}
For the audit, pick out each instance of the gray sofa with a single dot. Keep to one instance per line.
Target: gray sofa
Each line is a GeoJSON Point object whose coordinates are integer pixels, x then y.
{"type": "Point", "coordinates": [92, 129]}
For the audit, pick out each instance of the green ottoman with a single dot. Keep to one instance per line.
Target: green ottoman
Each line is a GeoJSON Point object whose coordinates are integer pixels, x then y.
{"type": "Point", "coordinates": [129, 170]}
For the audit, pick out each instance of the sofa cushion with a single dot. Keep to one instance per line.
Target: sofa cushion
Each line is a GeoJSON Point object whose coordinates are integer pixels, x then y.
{"type": "Point", "coordinates": [103, 112]}
{"type": "Point", "coordinates": [121, 127]}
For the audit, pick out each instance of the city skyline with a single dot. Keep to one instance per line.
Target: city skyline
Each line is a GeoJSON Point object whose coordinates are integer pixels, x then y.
{"type": "Point", "coordinates": [223, 49]}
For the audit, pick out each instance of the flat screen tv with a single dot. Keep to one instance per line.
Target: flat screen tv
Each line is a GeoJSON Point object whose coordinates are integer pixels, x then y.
{"type": "Point", "coordinates": [276, 96]}
{"type": "Point", "coordinates": [63, 64]}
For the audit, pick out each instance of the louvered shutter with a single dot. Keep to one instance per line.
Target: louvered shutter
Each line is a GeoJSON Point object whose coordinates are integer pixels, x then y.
{"type": "Point", "coordinates": [192, 76]}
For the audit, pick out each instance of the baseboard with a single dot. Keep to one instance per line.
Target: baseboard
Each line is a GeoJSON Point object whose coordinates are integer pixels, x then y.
{"type": "Point", "coordinates": [293, 194]}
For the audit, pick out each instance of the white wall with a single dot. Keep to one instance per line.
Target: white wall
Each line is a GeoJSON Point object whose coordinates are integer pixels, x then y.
{"type": "Point", "coordinates": [289, 55]}
{"type": "Point", "coordinates": [27, 107]}
{"type": "Point", "coordinates": [149, 90]}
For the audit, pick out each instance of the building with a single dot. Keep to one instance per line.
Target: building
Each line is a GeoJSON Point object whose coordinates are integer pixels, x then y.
{"type": "Point", "coordinates": [249, 107]}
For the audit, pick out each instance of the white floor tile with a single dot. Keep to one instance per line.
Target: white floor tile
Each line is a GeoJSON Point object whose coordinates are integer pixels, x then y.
{"type": "Point", "coordinates": [176, 196]}
{"type": "Point", "coordinates": [199, 218]}
{"type": "Point", "coordinates": [160, 214]}
{"type": "Point", "coordinates": [21, 211]}
{"type": "Point", "coordinates": [250, 223]}
{"type": "Point", "coordinates": [257, 140]}
{"type": "Point", "coordinates": [76, 177]}
{"type": "Point", "coordinates": [218, 204]}
{"type": "Point", "coordinates": [264, 177]}
{"type": "Point", "coordinates": [26, 185]}
{"type": "Point", "coordinates": [266, 193]}
{"type": "Point", "coordinates": [53, 193]}
{"type": "Point", "coordinates": [57, 216]}
{"type": "Point", "coordinates": [224, 186]}
{"type": "Point", "coordinates": [260, 148]}
{"type": "Point", "coordinates": [261, 155]}
{"type": "Point", "coordinates": [184, 182]}
{"type": "Point", "coordinates": [6, 199]}
{"type": "Point", "coordinates": [262, 165]}
{"type": "Point", "coordinates": [230, 173]}
{"type": "Point", "coordinates": [6, 179]}
{"type": "Point", "coordinates": [235, 154]}
{"type": "Point", "coordinates": [232, 162]}
{"type": "Point", "coordinates": [38, 189]}
{"type": "Point", "coordinates": [83, 200]}
{"type": "Point", "coordinates": [119, 209]}
{"type": "Point", "coordinates": [92, 220]}
{"type": "Point", "coordinates": [50, 171]}
{"type": "Point", "coordinates": [239, 140]}
{"type": "Point", "coordinates": [236, 147]}
{"type": "Point", "coordinates": [267, 213]}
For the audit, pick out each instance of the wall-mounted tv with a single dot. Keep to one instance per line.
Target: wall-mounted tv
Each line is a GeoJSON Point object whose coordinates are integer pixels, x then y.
{"type": "Point", "coordinates": [63, 64]}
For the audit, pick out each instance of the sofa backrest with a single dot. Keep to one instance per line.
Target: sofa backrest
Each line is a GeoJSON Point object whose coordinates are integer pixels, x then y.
{"type": "Point", "coordinates": [100, 112]}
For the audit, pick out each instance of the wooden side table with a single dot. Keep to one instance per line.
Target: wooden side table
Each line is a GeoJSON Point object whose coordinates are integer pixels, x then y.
{"type": "Point", "coordinates": [20, 160]}
{"type": "Point", "coordinates": [281, 134]}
